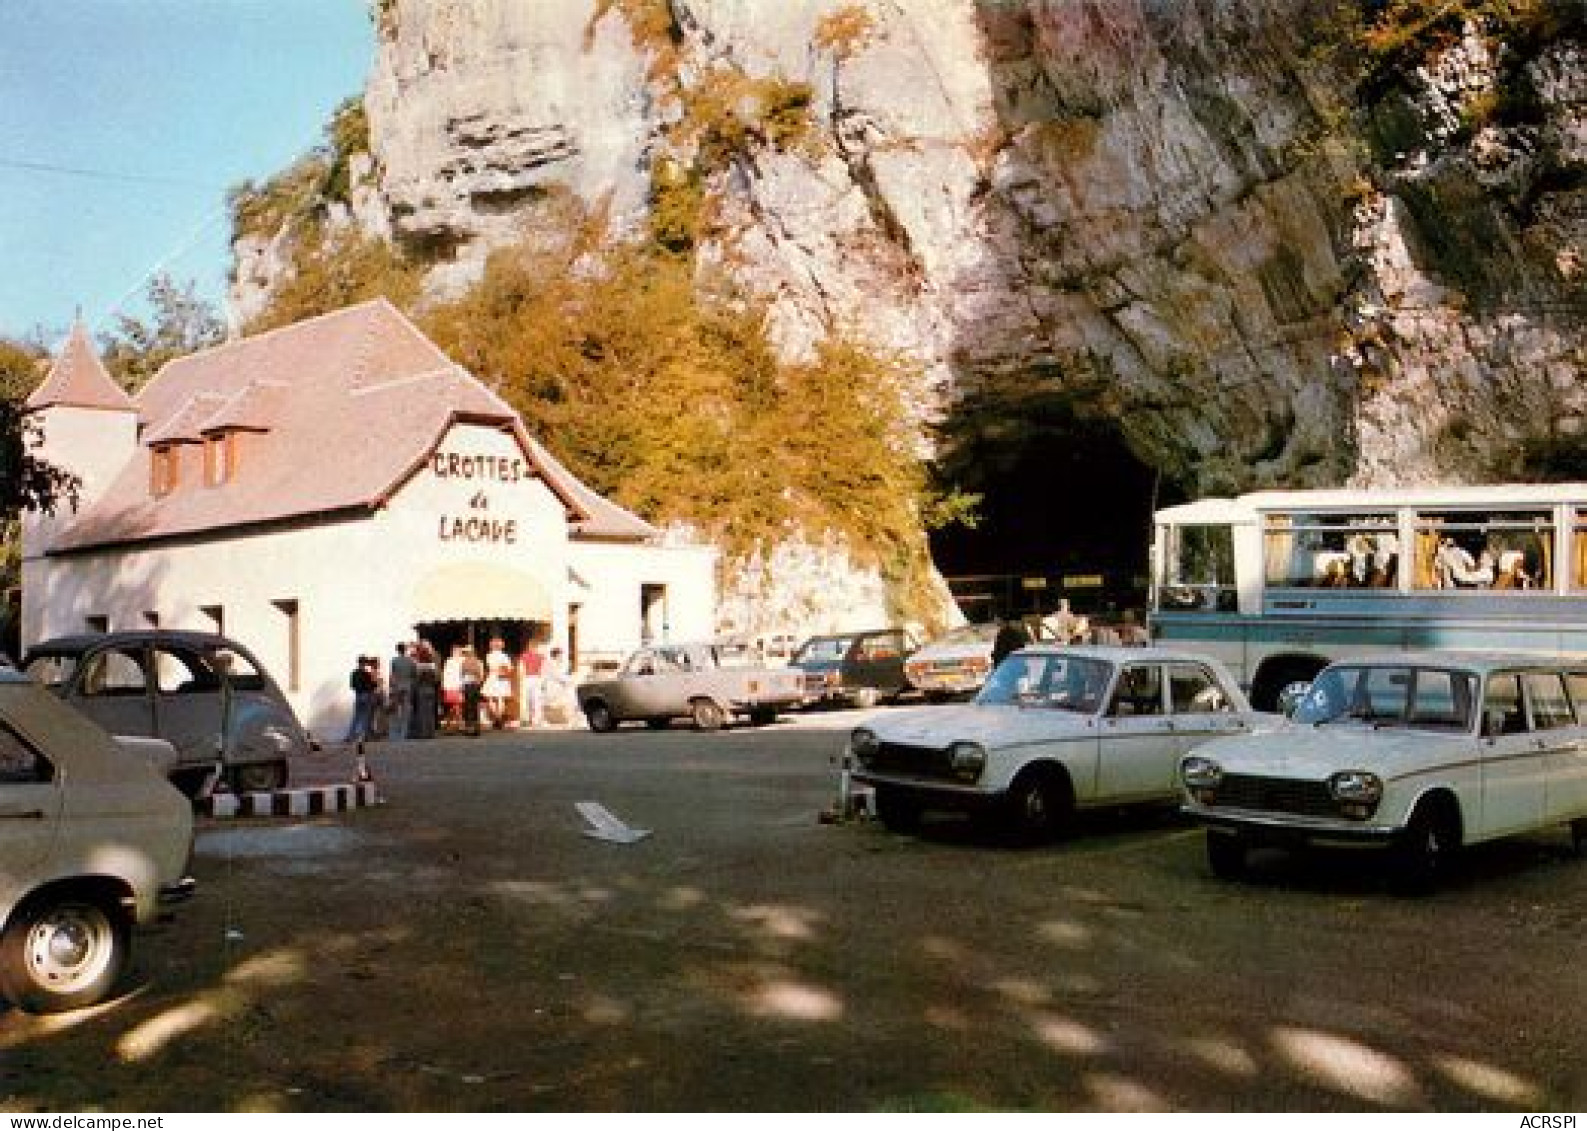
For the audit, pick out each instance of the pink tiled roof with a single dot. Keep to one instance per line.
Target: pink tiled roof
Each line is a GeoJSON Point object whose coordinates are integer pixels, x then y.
{"type": "Point", "coordinates": [347, 406]}
{"type": "Point", "coordinates": [78, 379]}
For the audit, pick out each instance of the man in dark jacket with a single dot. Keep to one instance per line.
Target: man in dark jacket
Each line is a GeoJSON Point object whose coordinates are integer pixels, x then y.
{"type": "Point", "coordinates": [1011, 637]}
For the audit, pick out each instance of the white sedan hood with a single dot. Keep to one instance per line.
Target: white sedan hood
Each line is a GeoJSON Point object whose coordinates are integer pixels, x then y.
{"type": "Point", "coordinates": [998, 726]}
{"type": "Point", "coordinates": [1314, 752]}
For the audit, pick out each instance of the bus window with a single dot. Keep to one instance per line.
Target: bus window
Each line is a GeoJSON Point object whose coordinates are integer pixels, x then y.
{"type": "Point", "coordinates": [1578, 551]}
{"type": "Point", "coordinates": [1198, 568]}
{"type": "Point", "coordinates": [1331, 551]}
{"type": "Point", "coordinates": [1511, 550]}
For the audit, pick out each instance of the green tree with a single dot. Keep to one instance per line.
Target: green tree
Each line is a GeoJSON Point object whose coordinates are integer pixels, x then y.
{"type": "Point", "coordinates": [179, 323]}
{"type": "Point", "coordinates": [26, 482]}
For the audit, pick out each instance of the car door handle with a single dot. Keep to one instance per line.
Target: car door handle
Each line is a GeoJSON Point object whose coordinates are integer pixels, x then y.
{"type": "Point", "coordinates": [22, 814]}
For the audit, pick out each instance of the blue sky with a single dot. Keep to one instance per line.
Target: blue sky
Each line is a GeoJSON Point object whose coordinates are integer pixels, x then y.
{"type": "Point", "coordinates": [124, 122]}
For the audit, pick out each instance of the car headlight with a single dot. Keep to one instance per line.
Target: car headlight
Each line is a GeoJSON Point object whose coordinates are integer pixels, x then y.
{"type": "Point", "coordinates": [967, 760]}
{"type": "Point", "coordinates": [1202, 777]}
{"type": "Point", "coordinates": [1357, 792]}
{"type": "Point", "coordinates": [864, 744]}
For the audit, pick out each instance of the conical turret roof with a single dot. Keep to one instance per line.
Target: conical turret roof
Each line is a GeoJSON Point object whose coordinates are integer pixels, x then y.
{"type": "Point", "coordinates": [79, 379]}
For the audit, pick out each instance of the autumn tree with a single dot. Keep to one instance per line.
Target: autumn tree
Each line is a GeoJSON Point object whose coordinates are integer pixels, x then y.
{"type": "Point", "coordinates": [179, 322]}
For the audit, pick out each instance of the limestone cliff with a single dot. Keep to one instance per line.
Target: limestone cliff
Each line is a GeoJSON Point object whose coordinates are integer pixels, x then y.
{"type": "Point", "coordinates": [1211, 223]}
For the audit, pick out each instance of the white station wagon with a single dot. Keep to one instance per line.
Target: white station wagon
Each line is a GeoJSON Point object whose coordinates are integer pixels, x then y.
{"type": "Point", "coordinates": [1055, 729]}
{"type": "Point", "coordinates": [1419, 753]}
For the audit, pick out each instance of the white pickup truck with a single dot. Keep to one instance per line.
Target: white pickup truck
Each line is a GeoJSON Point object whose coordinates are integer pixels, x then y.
{"type": "Point", "coordinates": [709, 684]}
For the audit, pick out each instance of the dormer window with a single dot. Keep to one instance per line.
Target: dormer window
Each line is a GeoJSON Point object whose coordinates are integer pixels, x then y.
{"type": "Point", "coordinates": [165, 466]}
{"type": "Point", "coordinates": [220, 458]}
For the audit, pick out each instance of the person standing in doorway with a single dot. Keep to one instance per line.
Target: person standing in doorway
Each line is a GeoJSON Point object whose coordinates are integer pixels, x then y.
{"type": "Point", "coordinates": [472, 675]}
{"type": "Point", "coordinates": [452, 689]}
{"type": "Point", "coordinates": [404, 674]}
{"type": "Point", "coordinates": [531, 673]}
{"type": "Point", "coordinates": [498, 682]}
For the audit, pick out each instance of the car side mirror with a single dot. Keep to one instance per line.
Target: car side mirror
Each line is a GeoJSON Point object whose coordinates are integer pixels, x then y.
{"type": "Point", "coordinates": [1291, 696]}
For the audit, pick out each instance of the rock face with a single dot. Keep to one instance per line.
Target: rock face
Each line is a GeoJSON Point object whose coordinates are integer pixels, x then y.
{"type": "Point", "coordinates": [1179, 214]}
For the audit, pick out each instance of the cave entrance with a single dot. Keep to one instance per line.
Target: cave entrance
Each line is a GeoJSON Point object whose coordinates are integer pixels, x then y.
{"type": "Point", "coordinates": [1066, 510]}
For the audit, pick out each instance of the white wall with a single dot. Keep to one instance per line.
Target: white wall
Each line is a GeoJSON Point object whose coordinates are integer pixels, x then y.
{"type": "Point", "coordinates": [607, 582]}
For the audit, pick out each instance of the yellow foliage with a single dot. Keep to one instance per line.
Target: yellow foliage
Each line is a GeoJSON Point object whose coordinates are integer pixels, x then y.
{"type": "Point", "coordinates": [845, 31]}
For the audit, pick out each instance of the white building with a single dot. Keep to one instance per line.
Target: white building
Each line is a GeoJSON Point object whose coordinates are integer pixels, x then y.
{"type": "Point", "coordinates": [324, 491]}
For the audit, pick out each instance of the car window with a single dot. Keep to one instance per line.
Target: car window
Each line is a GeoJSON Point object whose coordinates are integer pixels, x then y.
{"type": "Point", "coordinates": [20, 764]}
{"type": "Point", "coordinates": [1545, 693]}
{"type": "Point", "coordinates": [1503, 697]}
{"type": "Point", "coordinates": [114, 672]}
{"type": "Point", "coordinates": [54, 671]}
{"type": "Point", "coordinates": [241, 672]}
{"type": "Point", "coordinates": [1442, 699]}
{"type": "Point", "coordinates": [182, 673]}
{"type": "Point", "coordinates": [1139, 691]}
{"type": "Point", "coordinates": [876, 648]}
{"type": "Point", "coordinates": [1193, 690]}
{"type": "Point", "coordinates": [1577, 683]}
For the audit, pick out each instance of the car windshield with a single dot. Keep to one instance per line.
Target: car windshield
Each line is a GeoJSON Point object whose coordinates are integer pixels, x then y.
{"type": "Point", "coordinates": [1045, 679]}
{"type": "Point", "coordinates": [1393, 696]}
{"type": "Point", "coordinates": [824, 650]}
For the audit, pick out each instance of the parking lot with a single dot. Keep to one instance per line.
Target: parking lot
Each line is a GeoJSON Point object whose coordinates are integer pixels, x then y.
{"type": "Point", "coordinates": [466, 946]}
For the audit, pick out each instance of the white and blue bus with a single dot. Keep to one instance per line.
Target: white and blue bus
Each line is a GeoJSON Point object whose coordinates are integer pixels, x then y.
{"type": "Point", "coordinates": [1276, 584]}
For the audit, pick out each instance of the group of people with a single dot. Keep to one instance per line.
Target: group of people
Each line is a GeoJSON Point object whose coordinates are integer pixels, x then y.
{"type": "Point", "coordinates": [423, 695]}
{"type": "Point", "coordinates": [1064, 626]}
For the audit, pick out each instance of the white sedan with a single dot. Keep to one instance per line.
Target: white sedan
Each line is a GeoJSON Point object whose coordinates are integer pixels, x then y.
{"type": "Point", "coordinates": [1416, 753]}
{"type": "Point", "coordinates": [1054, 730]}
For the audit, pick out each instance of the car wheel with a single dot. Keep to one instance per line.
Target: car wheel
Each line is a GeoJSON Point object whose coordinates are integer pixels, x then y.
{"type": "Point", "coordinates": [708, 715]}
{"type": "Point", "coordinates": [1422, 857]}
{"type": "Point", "coordinates": [63, 953]}
{"type": "Point", "coordinates": [600, 717]}
{"type": "Point", "coordinates": [900, 813]}
{"type": "Point", "coordinates": [866, 697]}
{"type": "Point", "coordinates": [1226, 855]}
{"type": "Point", "coordinates": [258, 777]}
{"type": "Point", "coordinates": [1037, 804]}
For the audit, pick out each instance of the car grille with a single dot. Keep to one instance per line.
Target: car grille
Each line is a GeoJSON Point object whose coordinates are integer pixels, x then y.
{"type": "Point", "coordinates": [1279, 795]}
{"type": "Point", "coordinates": [916, 761]}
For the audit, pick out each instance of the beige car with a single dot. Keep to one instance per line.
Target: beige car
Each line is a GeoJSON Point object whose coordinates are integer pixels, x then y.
{"type": "Point", "coordinates": [93, 840]}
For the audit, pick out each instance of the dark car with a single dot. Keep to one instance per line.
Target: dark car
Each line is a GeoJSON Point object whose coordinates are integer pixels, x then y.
{"type": "Point", "coordinates": [858, 668]}
{"type": "Point", "coordinates": [205, 694]}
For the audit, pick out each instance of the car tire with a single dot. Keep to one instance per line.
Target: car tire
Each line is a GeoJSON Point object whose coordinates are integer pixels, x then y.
{"type": "Point", "coordinates": [1421, 859]}
{"type": "Point", "coordinates": [257, 777]}
{"type": "Point", "coordinates": [1037, 806]}
{"type": "Point", "coordinates": [1226, 855]}
{"type": "Point", "coordinates": [63, 952]}
{"type": "Point", "coordinates": [600, 717]}
{"type": "Point", "coordinates": [707, 714]}
{"type": "Point", "coordinates": [897, 811]}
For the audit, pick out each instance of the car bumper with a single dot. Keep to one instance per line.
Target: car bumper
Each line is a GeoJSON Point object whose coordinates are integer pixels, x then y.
{"type": "Point", "coordinates": [933, 793]}
{"type": "Point", "coordinates": [1285, 828]}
